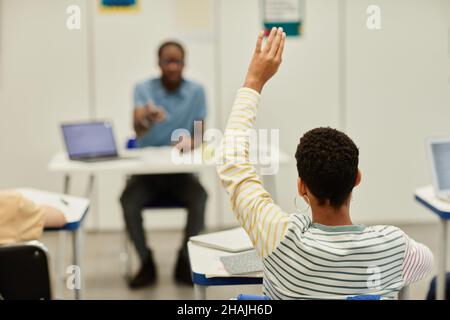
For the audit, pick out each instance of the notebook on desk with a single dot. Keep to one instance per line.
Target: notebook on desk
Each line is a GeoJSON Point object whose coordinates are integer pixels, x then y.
{"type": "Point", "coordinates": [74, 208]}
{"type": "Point", "coordinates": [242, 263]}
{"type": "Point", "coordinates": [234, 240]}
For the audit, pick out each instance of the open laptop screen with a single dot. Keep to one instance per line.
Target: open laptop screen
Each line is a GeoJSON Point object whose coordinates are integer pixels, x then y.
{"type": "Point", "coordinates": [441, 160]}
{"type": "Point", "coordinates": [89, 140]}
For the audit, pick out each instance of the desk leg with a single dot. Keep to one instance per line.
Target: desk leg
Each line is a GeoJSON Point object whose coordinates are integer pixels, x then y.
{"type": "Point", "coordinates": [77, 238]}
{"type": "Point", "coordinates": [441, 278]}
{"type": "Point", "coordinates": [60, 257]}
{"type": "Point", "coordinates": [61, 251]}
{"type": "Point", "coordinates": [200, 292]}
{"type": "Point", "coordinates": [90, 195]}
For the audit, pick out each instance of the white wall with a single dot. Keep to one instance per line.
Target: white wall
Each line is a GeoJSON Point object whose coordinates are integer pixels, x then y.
{"type": "Point", "coordinates": [43, 82]}
{"type": "Point", "coordinates": [125, 54]}
{"type": "Point", "coordinates": [398, 94]}
{"type": "Point", "coordinates": [396, 79]}
{"type": "Point", "coordinates": [303, 95]}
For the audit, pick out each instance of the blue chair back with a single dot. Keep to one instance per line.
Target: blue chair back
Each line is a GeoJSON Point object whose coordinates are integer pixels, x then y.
{"type": "Point", "coordinates": [251, 297]}
{"type": "Point", "coordinates": [360, 297]}
{"type": "Point", "coordinates": [364, 297]}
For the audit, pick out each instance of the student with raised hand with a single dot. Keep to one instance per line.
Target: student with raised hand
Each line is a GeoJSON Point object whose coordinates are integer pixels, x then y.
{"type": "Point", "coordinates": [23, 220]}
{"type": "Point", "coordinates": [326, 256]}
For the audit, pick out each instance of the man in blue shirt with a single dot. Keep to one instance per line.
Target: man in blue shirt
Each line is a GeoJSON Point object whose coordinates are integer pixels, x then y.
{"type": "Point", "coordinates": [161, 106]}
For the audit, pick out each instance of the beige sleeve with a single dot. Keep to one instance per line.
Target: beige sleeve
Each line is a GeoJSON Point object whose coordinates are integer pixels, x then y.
{"type": "Point", "coordinates": [20, 219]}
{"type": "Point", "coordinates": [265, 222]}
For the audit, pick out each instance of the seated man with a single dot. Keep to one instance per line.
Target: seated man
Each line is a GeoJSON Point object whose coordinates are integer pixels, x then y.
{"type": "Point", "coordinates": [161, 106]}
{"type": "Point", "coordinates": [23, 220]}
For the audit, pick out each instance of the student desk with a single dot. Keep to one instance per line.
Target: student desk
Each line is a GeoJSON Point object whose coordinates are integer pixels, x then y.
{"type": "Point", "coordinates": [153, 160]}
{"type": "Point", "coordinates": [426, 196]}
{"type": "Point", "coordinates": [207, 270]}
{"type": "Point", "coordinates": [74, 210]}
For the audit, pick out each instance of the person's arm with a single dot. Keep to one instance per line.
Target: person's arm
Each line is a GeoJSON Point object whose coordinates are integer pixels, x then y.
{"type": "Point", "coordinates": [417, 263]}
{"type": "Point", "coordinates": [145, 113]}
{"type": "Point", "coordinates": [145, 117]}
{"type": "Point", "coordinates": [53, 218]}
{"type": "Point", "coordinates": [33, 218]}
{"type": "Point", "coordinates": [141, 124]}
{"type": "Point", "coordinates": [253, 206]}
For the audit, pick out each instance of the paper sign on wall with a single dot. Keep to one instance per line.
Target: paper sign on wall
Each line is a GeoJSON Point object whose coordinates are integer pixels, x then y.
{"type": "Point", "coordinates": [288, 14]}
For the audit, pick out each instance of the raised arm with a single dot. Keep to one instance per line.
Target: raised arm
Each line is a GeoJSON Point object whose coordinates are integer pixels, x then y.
{"type": "Point", "coordinates": [145, 113]}
{"type": "Point", "coordinates": [253, 206]}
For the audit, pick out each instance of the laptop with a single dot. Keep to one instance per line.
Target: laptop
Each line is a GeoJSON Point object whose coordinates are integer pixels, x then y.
{"type": "Point", "coordinates": [439, 154]}
{"type": "Point", "coordinates": [90, 141]}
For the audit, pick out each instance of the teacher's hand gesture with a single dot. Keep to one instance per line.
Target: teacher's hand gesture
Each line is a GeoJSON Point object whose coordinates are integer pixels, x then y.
{"type": "Point", "coordinates": [265, 61]}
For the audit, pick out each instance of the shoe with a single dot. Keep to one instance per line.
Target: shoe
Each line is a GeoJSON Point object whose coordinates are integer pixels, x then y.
{"type": "Point", "coordinates": [146, 276]}
{"type": "Point", "coordinates": [183, 274]}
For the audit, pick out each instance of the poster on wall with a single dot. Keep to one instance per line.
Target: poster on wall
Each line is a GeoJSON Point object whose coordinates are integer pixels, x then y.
{"type": "Point", "coordinates": [194, 19]}
{"type": "Point", "coordinates": [288, 14]}
{"type": "Point", "coordinates": [113, 6]}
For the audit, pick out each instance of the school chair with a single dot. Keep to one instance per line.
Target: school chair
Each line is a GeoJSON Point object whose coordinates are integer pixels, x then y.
{"type": "Point", "coordinates": [431, 295]}
{"type": "Point", "coordinates": [24, 272]}
{"type": "Point", "coordinates": [160, 204]}
{"type": "Point", "coordinates": [402, 295]}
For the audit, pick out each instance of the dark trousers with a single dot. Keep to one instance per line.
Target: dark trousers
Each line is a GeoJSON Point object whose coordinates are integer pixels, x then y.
{"type": "Point", "coordinates": [149, 190]}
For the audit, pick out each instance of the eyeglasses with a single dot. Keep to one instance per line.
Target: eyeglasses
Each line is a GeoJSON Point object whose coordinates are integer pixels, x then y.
{"type": "Point", "coordinates": [179, 63]}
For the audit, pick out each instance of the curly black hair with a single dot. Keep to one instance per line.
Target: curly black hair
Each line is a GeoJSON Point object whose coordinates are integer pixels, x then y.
{"type": "Point", "coordinates": [327, 162]}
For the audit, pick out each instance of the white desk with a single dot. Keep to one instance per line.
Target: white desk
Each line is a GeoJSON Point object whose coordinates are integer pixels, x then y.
{"type": "Point", "coordinates": [139, 161]}
{"type": "Point", "coordinates": [207, 270]}
{"type": "Point", "coordinates": [427, 197]}
{"type": "Point", "coordinates": [74, 209]}
{"type": "Point", "coordinates": [145, 161]}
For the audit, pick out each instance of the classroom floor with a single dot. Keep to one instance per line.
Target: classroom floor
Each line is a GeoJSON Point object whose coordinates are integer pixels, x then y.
{"type": "Point", "coordinates": [103, 278]}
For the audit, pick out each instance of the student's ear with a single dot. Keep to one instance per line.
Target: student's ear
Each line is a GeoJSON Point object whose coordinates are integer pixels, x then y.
{"type": "Point", "coordinates": [301, 187]}
{"type": "Point", "coordinates": [358, 178]}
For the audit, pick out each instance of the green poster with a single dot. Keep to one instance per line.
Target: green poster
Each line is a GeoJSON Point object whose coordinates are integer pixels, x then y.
{"type": "Point", "coordinates": [288, 14]}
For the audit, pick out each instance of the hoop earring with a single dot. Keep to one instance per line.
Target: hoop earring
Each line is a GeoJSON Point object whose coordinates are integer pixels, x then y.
{"type": "Point", "coordinates": [305, 210]}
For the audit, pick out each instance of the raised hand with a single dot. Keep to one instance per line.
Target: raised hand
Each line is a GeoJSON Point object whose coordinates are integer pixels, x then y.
{"type": "Point", "coordinates": [265, 61]}
{"type": "Point", "coordinates": [155, 114]}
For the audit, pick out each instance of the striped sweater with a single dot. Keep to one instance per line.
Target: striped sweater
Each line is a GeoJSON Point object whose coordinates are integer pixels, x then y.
{"type": "Point", "coordinates": [302, 259]}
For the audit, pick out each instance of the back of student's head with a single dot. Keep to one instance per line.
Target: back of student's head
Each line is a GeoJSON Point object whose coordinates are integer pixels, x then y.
{"type": "Point", "coordinates": [327, 162]}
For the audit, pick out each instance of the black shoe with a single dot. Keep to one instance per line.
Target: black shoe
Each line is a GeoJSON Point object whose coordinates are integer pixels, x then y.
{"type": "Point", "coordinates": [146, 276]}
{"type": "Point", "coordinates": [183, 274]}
